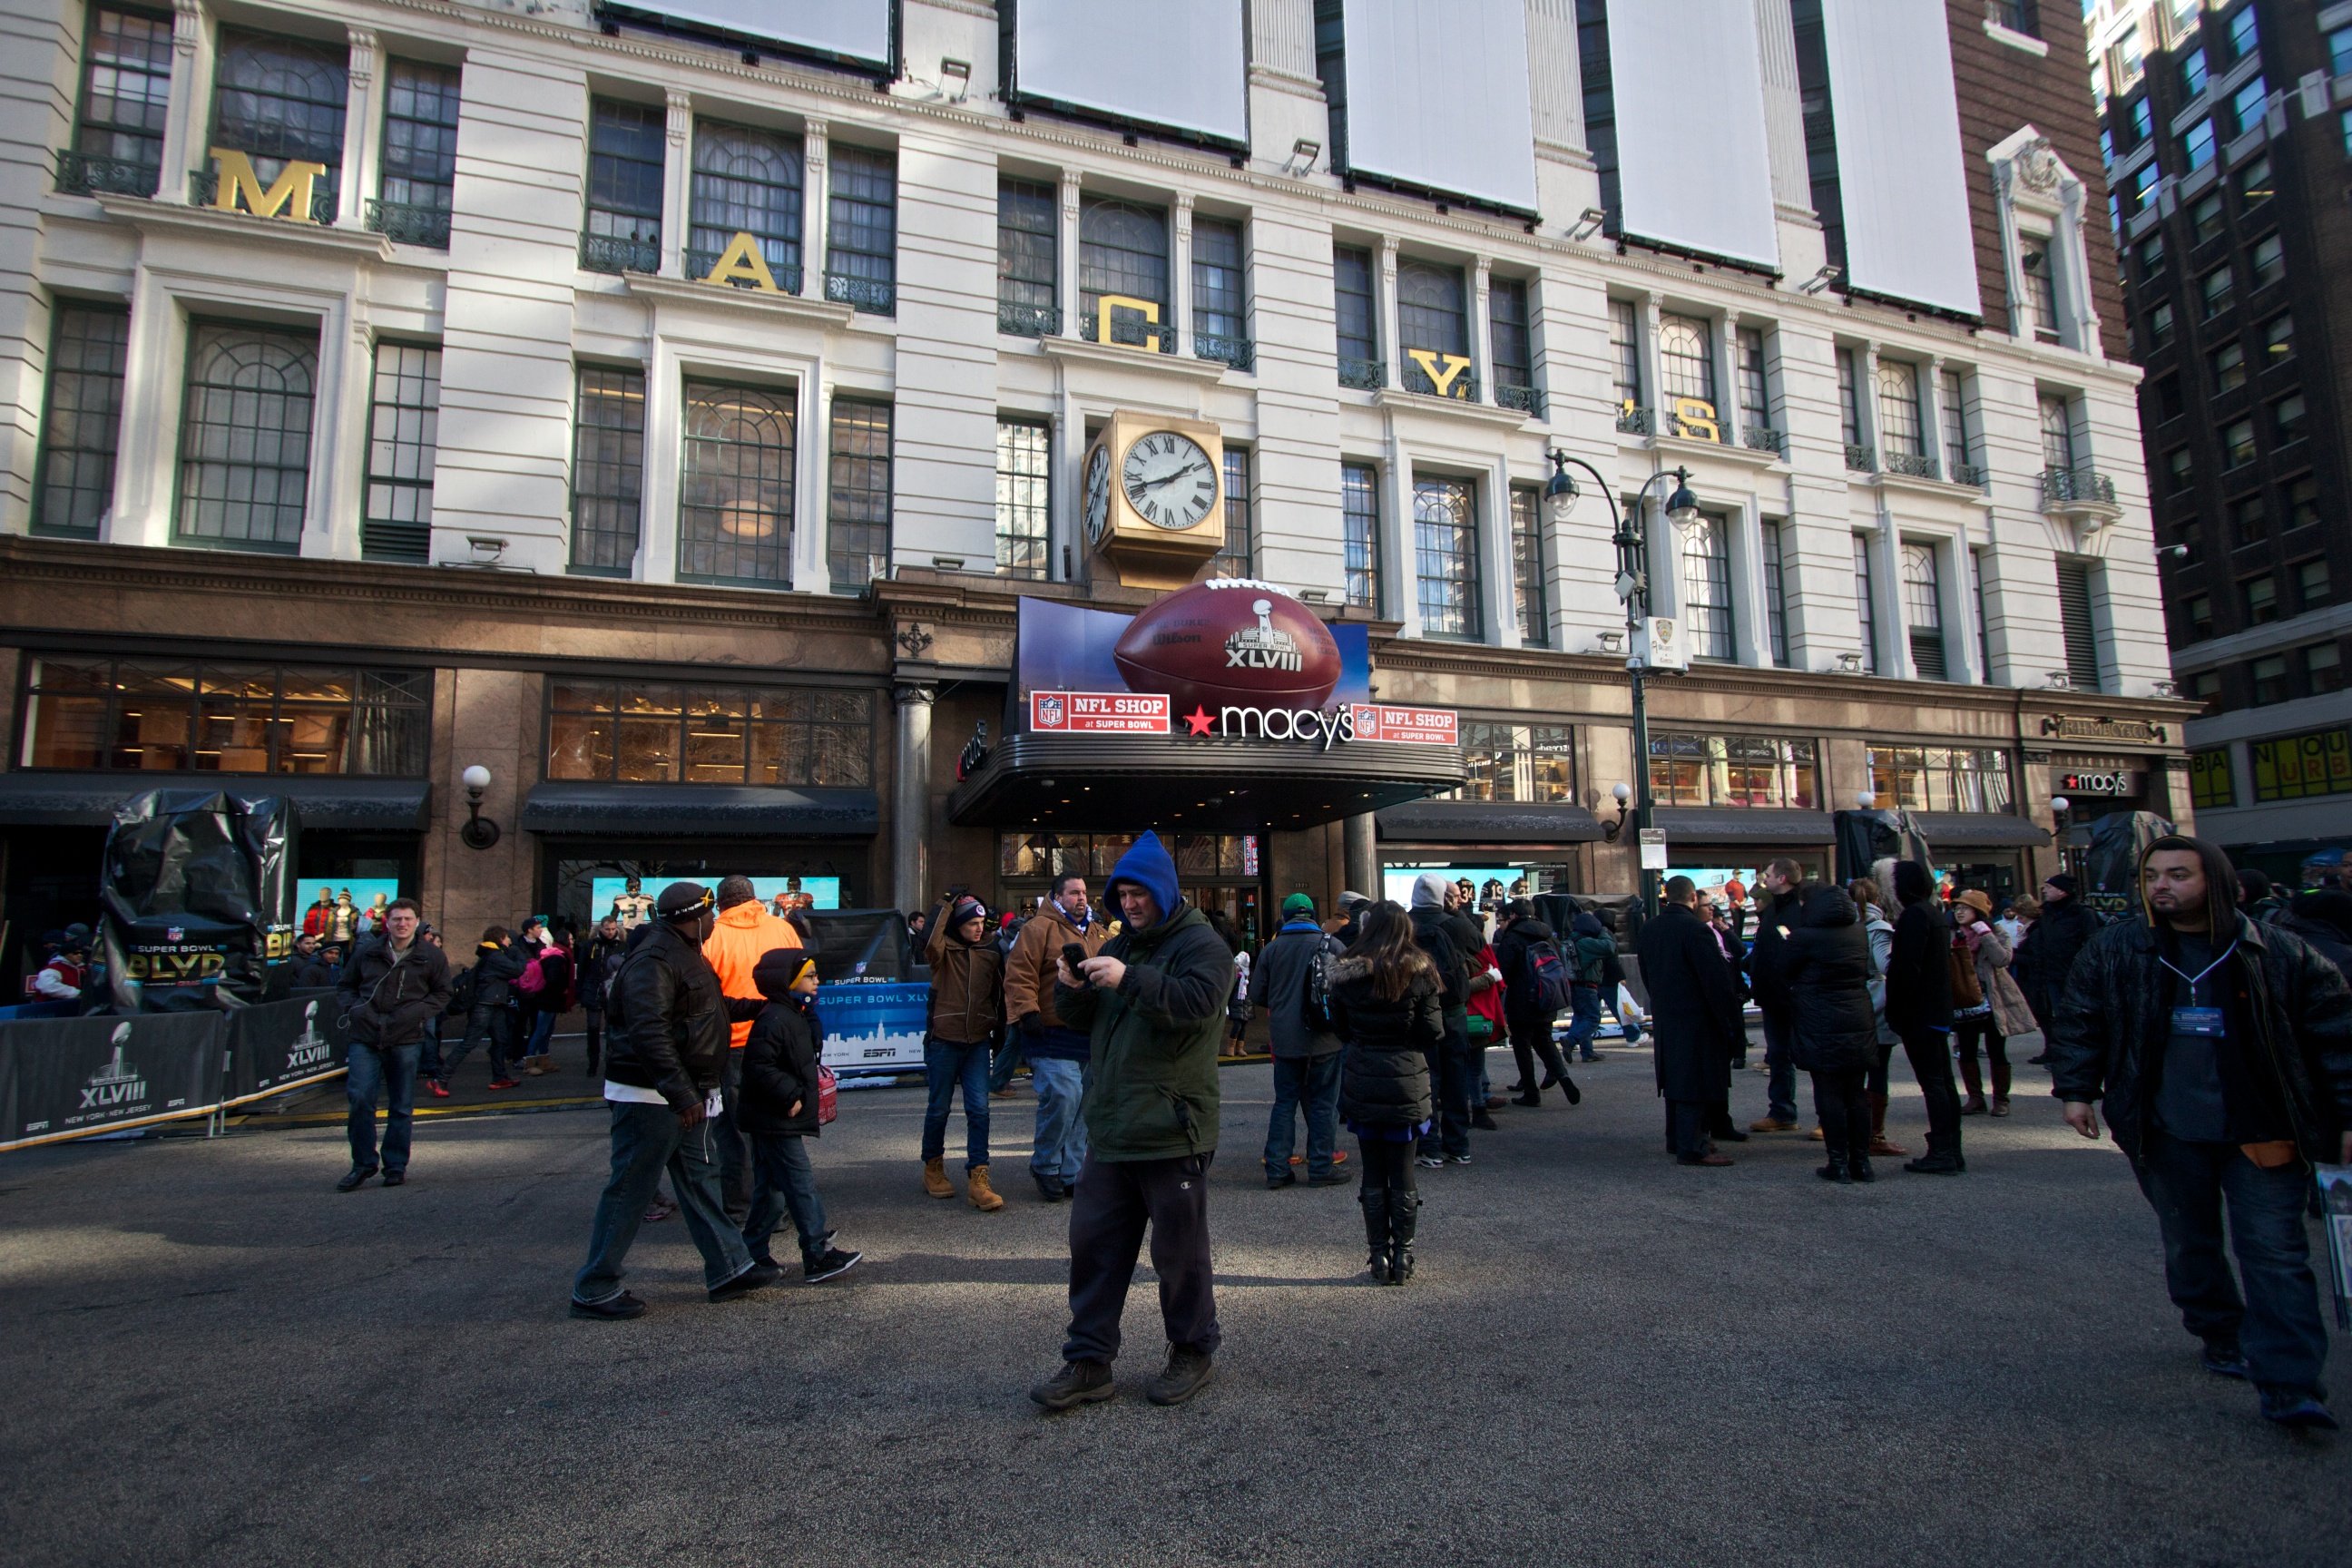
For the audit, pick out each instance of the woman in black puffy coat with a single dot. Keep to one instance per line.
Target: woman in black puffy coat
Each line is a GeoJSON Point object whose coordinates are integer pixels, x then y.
{"type": "Point", "coordinates": [1823, 968]}
{"type": "Point", "coordinates": [1385, 1007]}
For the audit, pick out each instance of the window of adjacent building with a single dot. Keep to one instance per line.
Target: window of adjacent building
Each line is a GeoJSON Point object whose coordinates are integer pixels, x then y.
{"type": "Point", "coordinates": [1219, 305]}
{"type": "Point", "coordinates": [2197, 616]}
{"type": "Point", "coordinates": [2206, 218]}
{"type": "Point", "coordinates": [623, 228]}
{"type": "Point", "coordinates": [2077, 624]}
{"type": "Point", "coordinates": [2247, 522]}
{"type": "Point", "coordinates": [2215, 290]}
{"type": "Point", "coordinates": [1351, 282]}
{"type": "Point", "coordinates": [2254, 180]}
{"type": "Point", "coordinates": [1528, 566]}
{"type": "Point", "coordinates": [2167, 396]}
{"type": "Point", "coordinates": [171, 716]}
{"type": "Point", "coordinates": [1027, 259]}
{"type": "Point", "coordinates": [2141, 117]}
{"type": "Point", "coordinates": [2139, 186]}
{"type": "Point", "coordinates": [1707, 587]}
{"type": "Point", "coordinates": [2300, 767]}
{"type": "Point", "coordinates": [1432, 315]}
{"type": "Point", "coordinates": [2278, 337]}
{"type": "Point", "coordinates": [1025, 496]}
{"type": "Point", "coordinates": [1687, 359]}
{"type": "Point", "coordinates": [2269, 674]}
{"type": "Point", "coordinates": [2193, 73]}
{"type": "Point", "coordinates": [1849, 372]}
{"type": "Point", "coordinates": [2205, 687]}
{"type": "Point", "coordinates": [1776, 594]}
{"type": "Point", "coordinates": [1445, 556]}
{"type": "Point", "coordinates": [2228, 366]}
{"type": "Point", "coordinates": [857, 494]}
{"type": "Point", "coordinates": [1734, 770]}
{"type": "Point", "coordinates": [2190, 533]}
{"type": "Point", "coordinates": [861, 229]}
{"type": "Point", "coordinates": [2302, 502]}
{"type": "Point", "coordinates": [404, 418]}
{"type": "Point", "coordinates": [1940, 778]}
{"type": "Point", "coordinates": [746, 181]}
{"type": "Point", "coordinates": [2243, 37]}
{"type": "Point", "coordinates": [2179, 468]}
{"type": "Point", "coordinates": [2344, 130]}
{"type": "Point", "coordinates": [1624, 356]}
{"type": "Point", "coordinates": [126, 88]}
{"type": "Point", "coordinates": [1508, 342]}
{"type": "Point", "coordinates": [245, 437]}
{"type": "Point", "coordinates": [1754, 390]}
{"type": "Point", "coordinates": [2197, 145]}
{"type": "Point", "coordinates": [608, 458]}
{"type": "Point", "coordinates": [2323, 670]}
{"type": "Point", "coordinates": [1865, 600]}
{"type": "Point", "coordinates": [2160, 324]}
{"type": "Point", "coordinates": [1528, 762]}
{"type": "Point", "coordinates": [2210, 783]}
{"type": "Point", "coordinates": [2238, 443]}
{"type": "Point", "coordinates": [420, 151]}
{"type": "Point", "coordinates": [2289, 416]}
{"type": "Point", "coordinates": [2041, 287]}
{"type": "Point", "coordinates": [280, 100]}
{"type": "Point", "coordinates": [2269, 260]}
{"type": "Point", "coordinates": [2339, 49]}
{"type": "Point", "coordinates": [2057, 432]}
{"type": "Point", "coordinates": [1359, 521]}
{"type": "Point", "coordinates": [1923, 611]}
{"type": "Point", "coordinates": [2248, 105]}
{"type": "Point", "coordinates": [81, 419]}
{"type": "Point", "coordinates": [1123, 251]}
{"type": "Point", "coordinates": [1959, 454]}
{"type": "Point", "coordinates": [2151, 254]}
{"type": "Point", "coordinates": [1239, 556]}
{"type": "Point", "coordinates": [735, 485]}
{"type": "Point", "coordinates": [710, 735]}
{"type": "Point", "coordinates": [2312, 586]}
{"type": "Point", "coordinates": [1901, 431]}
{"type": "Point", "coordinates": [2258, 598]}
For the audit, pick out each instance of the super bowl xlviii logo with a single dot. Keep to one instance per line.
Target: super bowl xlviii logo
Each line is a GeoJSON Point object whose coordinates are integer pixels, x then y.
{"type": "Point", "coordinates": [310, 1048]}
{"type": "Point", "coordinates": [1264, 645]}
{"type": "Point", "coordinates": [117, 1082]}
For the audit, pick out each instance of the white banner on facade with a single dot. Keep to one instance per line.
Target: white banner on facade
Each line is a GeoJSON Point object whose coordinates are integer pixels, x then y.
{"type": "Point", "coordinates": [1692, 166]}
{"type": "Point", "coordinates": [1900, 176]}
{"type": "Point", "coordinates": [1182, 64]}
{"type": "Point", "coordinates": [1437, 96]}
{"type": "Point", "coordinates": [859, 29]}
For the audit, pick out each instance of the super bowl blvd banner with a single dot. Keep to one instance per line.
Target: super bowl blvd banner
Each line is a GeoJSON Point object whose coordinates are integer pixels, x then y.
{"type": "Point", "coordinates": [195, 893]}
{"type": "Point", "coordinates": [1231, 658]}
{"type": "Point", "coordinates": [68, 1077]}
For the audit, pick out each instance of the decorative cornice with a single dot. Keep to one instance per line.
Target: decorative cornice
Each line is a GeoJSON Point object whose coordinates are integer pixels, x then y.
{"type": "Point", "coordinates": [1182, 367]}
{"type": "Point", "coordinates": [727, 297]}
{"type": "Point", "coordinates": [147, 215]}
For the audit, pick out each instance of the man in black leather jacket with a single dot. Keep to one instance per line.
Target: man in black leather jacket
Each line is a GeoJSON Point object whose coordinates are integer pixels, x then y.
{"type": "Point", "coordinates": [392, 985]}
{"type": "Point", "coordinates": [668, 1046]}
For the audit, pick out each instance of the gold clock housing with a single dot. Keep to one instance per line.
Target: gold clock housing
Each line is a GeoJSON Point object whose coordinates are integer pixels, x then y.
{"type": "Point", "coordinates": [1158, 514]}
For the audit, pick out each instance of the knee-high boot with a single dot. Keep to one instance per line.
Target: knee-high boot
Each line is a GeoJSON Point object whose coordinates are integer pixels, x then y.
{"type": "Point", "coordinates": [2000, 1078]}
{"type": "Point", "coordinates": [1376, 1230]}
{"type": "Point", "coordinates": [1404, 1218]}
{"type": "Point", "coordinates": [1970, 1080]}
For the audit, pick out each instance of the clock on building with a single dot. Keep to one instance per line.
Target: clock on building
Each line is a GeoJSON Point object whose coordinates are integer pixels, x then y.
{"type": "Point", "coordinates": [1168, 481]}
{"type": "Point", "coordinates": [1154, 498]}
{"type": "Point", "coordinates": [1098, 494]}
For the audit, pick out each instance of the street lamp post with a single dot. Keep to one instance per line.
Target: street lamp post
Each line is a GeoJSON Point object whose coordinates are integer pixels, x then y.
{"type": "Point", "coordinates": [1631, 540]}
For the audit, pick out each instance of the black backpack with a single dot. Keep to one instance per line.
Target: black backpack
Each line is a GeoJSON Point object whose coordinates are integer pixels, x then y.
{"type": "Point", "coordinates": [462, 987]}
{"type": "Point", "coordinates": [1315, 992]}
{"type": "Point", "coordinates": [1547, 978]}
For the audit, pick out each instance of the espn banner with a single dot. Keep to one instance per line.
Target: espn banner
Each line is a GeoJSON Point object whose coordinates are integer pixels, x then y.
{"type": "Point", "coordinates": [279, 1045]}
{"type": "Point", "coordinates": [68, 1077]}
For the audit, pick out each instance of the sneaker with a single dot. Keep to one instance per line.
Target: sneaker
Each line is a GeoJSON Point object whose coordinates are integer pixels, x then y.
{"type": "Point", "coordinates": [1428, 1161]}
{"type": "Point", "coordinates": [395, 1178]}
{"type": "Point", "coordinates": [758, 1277]}
{"type": "Point", "coordinates": [817, 1270]}
{"type": "Point", "coordinates": [2223, 1361]}
{"type": "Point", "coordinates": [2293, 1407]}
{"type": "Point", "coordinates": [1047, 1187]}
{"type": "Point", "coordinates": [1188, 1370]}
{"type": "Point", "coordinates": [355, 1178]}
{"type": "Point", "coordinates": [440, 1090]}
{"type": "Point", "coordinates": [1339, 1157]}
{"type": "Point", "coordinates": [615, 1309]}
{"type": "Point", "coordinates": [1457, 1159]}
{"type": "Point", "coordinates": [1078, 1382]}
{"type": "Point", "coordinates": [657, 1211]}
{"type": "Point", "coordinates": [502, 1083]}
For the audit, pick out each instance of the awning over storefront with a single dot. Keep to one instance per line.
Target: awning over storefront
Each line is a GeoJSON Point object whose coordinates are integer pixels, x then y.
{"type": "Point", "coordinates": [1124, 783]}
{"type": "Point", "coordinates": [1487, 822]}
{"type": "Point", "coordinates": [1977, 830]}
{"type": "Point", "coordinates": [676, 811]}
{"type": "Point", "coordinates": [328, 804]}
{"type": "Point", "coordinates": [1753, 825]}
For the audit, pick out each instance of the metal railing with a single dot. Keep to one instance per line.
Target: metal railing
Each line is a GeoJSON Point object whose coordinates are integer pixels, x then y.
{"type": "Point", "coordinates": [1914, 465]}
{"type": "Point", "coordinates": [1529, 400]}
{"type": "Point", "coordinates": [875, 296]}
{"type": "Point", "coordinates": [1975, 474]}
{"type": "Point", "coordinates": [1636, 421]}
{"type": "Point", "coordinates": [1238, 352]}
{"type": "Point", "coordinates": [204, 190]}
{"type": "Point", "coordinates": [1029, 320]}
{"type": "Point", "coordinates": [404, 223]}
{"type": "Point", "coordinates": [88, 174]}
{"type": "Point", "coordinates": [2063, 486]}
{"type": "Point", "coordinates": [1363, 374]}
{"type": "Point", "coordinates": [1860, 459]}
{"type": "Point", "coordinates": [1764, 438]}
{"type": "Point", "coordinates": [1462, 388]}
{"type": "Point", "coordinates": [612, 253]}
{"type": "Point", "coordinates": [698, 263]}
{"type": "Point", "coordinates": [1128, 330]}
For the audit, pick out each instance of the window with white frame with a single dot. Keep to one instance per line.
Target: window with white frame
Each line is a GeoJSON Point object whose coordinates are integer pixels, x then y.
{"type": "Point", "coordinates": [1923, 611]}
{"type": "Point", "coordinates": [1624, 358]}
{"type": "Point", "coordinates": [1706, 586]}
{"type": "Point", "coordinates": [1901, 432]}
{"type": "Point", "coordinates": [1687, 359]}
{"type": "Point", "coordinates": [1776, 591]}
{"type": "Point", "coordinates": [1445, 557]}
{"type": "Point", "coordinates": [2057, 432]}
{"type": "Point", "coordinates": [1866, 598]}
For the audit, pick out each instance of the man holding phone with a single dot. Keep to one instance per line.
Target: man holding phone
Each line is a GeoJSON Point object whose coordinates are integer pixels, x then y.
{"type": "Point", "coordinates": [1066, 931]}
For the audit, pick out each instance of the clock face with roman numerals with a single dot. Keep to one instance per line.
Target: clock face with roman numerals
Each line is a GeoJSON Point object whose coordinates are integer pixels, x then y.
{"type": "Point", "coordinates": [1168, 480]}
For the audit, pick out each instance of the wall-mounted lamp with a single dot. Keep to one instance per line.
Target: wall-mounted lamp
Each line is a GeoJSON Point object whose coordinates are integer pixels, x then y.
{"type": "Point", "coordinates": [1588, 223]}
{"type": "Point", "coordinates": [1849, 664]}
{"type": "Point", "coordinates": [955, 79]}
{"type": "Point", "coordinates": [1303, 153]}
{"type": "Point", "coordinates": [1622, 793]}
{"type": "Point", "coordinates": [2165, 687]}
{"type": "Point", "coordinates": [1830, 273]}
{"type": "Point", "coordinates": [1865, 800]}
{"type": "Point", "coordinates": [2059, 807]}
{"type": "Point", "coordinates": [948, 562]}
{"type": "Point", "coordinates": [1318, 596]}
{"type": "Point", "coordinates": [487, 551]}
{"type": "Point", "coordinates": [479, 832]}
{"type": "Point", "coordinates": [1612, 642]}
{"type": "Point", "coordinates": [2175, 551]}
{"type": "Point", "coordinates": [2060, 681]}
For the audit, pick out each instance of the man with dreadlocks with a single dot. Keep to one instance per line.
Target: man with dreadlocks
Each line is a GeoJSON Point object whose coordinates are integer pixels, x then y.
{"type": "Point", "coordinates": [2224, 1050]}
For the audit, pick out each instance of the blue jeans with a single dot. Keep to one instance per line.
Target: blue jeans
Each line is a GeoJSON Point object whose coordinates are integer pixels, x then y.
{"type": "Point", "coordinates": [1781, 1087]}
{"type": "Point", "coordinates": [428, 1060]}
{"type": "Point", "coordinates": [543, 1031]}
{"type": "Point", "coordinates": [2277, 1321]}
{"type": "Point", "coordinates": [495, 1023]}
{"type": "Point", "coordinates": [945, 1064]}
{"type": "Point", "coordinates": [373, 1069]}
{"type": "Point", "coordinates": [647, 1139]}
{"type": "Point", "coordinates": [1311, 1083]}
{"type": "Point", "coordinates": [1583, 1019]}
{"type": "Point", "coordinates": [787, 1181]}
{"type": "Point", "coordinates": [1007, 1061]}
{"type": "Point", "coordinates": [1061, 1145]}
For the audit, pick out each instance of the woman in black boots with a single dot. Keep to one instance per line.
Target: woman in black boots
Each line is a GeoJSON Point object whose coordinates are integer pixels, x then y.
{"type": "Point", "coordinates": [1823, 968]}
{"type": "Point", "coordinates": [1384, 1006]}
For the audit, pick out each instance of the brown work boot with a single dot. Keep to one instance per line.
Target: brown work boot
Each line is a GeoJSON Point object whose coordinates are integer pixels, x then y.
{"type": "Point", "coordinates": [983, 1197]}
{"type": "Point", "coordinates": [935, 1179]}
{"type": "Point", "coordinates": [1878, 1143]}
{"type": "Point", "coordinates": [1771, 1124]}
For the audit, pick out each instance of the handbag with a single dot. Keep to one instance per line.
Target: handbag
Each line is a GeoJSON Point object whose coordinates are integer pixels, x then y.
{"type": "Point", "coordinates": [829, 1095]}
{"type": "Point", "coordinates": [1966, 993]}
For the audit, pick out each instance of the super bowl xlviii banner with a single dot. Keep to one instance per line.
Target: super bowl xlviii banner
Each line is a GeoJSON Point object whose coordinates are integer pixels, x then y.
{"type": "Point", "coordinates": [874, 1028]}
{"type": "Point", "coordinates": [68, 1077]}
{"type": "Point", "coordinates": [279, 1045]}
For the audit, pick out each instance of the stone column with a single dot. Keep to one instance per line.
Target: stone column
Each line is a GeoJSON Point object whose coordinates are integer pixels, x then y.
{"type": "Point", "coordinates": [1180, 279]}
{"type": "Point", "coordinates": [188, 118]}
{"type": "Point", "coordinates": [1391, 354]}
{"type": "Point", "coordinates": [1482, 342]}
{"type": "Point", "coordinates": [817, 201]}
{"type": "Point", "coordinates": [678, 181]}
{"type": "Point", "coordinates": [1065, 259]}
{"type": "Point", "coordinates": [1654, 382]}
{"type": "Point", "coordinates": [911, 793]}
{"type": "Point", "coordinates": [362, 130]}
{"type": "Point", "coordinates": [1362, 867]}
{"type": "Point", "coordinates": [1931, 414]}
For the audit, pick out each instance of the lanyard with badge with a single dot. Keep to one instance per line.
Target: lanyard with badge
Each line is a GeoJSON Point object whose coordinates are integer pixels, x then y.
{"type": "Point", "coordinates": [2207, 1023]}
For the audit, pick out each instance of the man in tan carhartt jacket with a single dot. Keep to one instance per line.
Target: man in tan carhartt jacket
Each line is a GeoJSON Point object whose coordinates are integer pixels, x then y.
{"type": "Point", "coordinates": [1057, 1054]}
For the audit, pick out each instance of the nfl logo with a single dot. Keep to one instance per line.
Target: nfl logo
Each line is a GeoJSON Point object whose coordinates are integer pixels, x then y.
{"type": "Point", "coordinates": [175, 933]}
{"type": "Point", "coordinates": [1050, 713]}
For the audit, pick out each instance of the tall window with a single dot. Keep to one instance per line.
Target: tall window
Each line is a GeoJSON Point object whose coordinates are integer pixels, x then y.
{"type": "Point", "coordinates": [1527, 565]}
{"type": "Point", "coordinates": [623, 228]}
{"type": "Point", "coordinates": [1865, 602]}
{"type": "Point", "coordinates": [1445, 557]}
{"type": "Point", "coordinates": [1219, 305]}
{"type": "Point", "coordinates": [1359, 521]}
{"type": "Point", "coordinates": [1984, 616]}
{"type": "Point", "coordinates": [1900, 432]}
{"type": "Point", "coordinates": [1027, 259]}
{"type": "Point", "coordinates": [608, 467]}
{"type": "Point", "coordinates": [126, 85]}
{"type": "Point", "coordinates": [420, 152]}
{"type": "Point", "coordinates": [1735, 770]}
{"type": "Point", "coordinates": [81, 419]}
{"type": "Point", "coordinates": [403, 418]}
{"type": "Point", "coordinates": [2248, 104]}
{"type": "Point", "coordinates": [1532, 762]}
{"type": "Point", "coordinates": [1123, 250]}
{"type": "Point", "coordinates": [1923, 611]}
{"type": "Point", "coordinates": [1706, 586]}
{"type": "Point", "coordinates": [1351, 284]}
{"type": "Point", "coordinates": [1432, 314]}
{"type": "Point", "coordinates": [1024, 493]}
{"type": "Point", "coordinates": [1687, 359]}
{"type": "Point", "coordinates": [2041, 287]}
{"type": "Point", "coordinates": [1849, 374]}
{"type": "Point", "coordinates": [280, 100]}
{"type": "Point", "coordinates": [735, 486]}
{"type": "Point", "coordinates": [710, 735]}
{"type": "Point", "coordinates": [164, 716]}
{"type": "Point", "coordinates": [1958, 452]}
{"type": "Point", "coordinates": [861, 231]}
{"type": "Point", "coordinates": [1941, 778]}
{"type": "Point", "coordinates": [1509, 347]}
{"type": "Point", "coordinates": [1239, 556]}
{"type": "Point", "coordinates": [2057, 433]}
{"type": "Point", "coordinates": [1624, 357]}
{"type": "Point", "coordinates": [245, 437]}
{"type": "Point", "coordinates": [2077, 626]}
{"type": "Point", "coordinates": [1776, 592]}
{"type": "Point", "coordinates": [746, 181]}
{"type": "Point", "coordinates": [857, 497]}
{"type": "Point", "coordinates": [1754, 390]}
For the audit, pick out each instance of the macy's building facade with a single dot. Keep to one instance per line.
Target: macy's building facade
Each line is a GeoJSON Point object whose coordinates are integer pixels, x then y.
{"type": "Point", "coordinates": [697, 429]}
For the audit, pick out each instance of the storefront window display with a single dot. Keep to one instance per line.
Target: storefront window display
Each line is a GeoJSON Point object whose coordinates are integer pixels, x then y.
{"type": "Point", "coordinates": [1940, 778]}
{"type": "Point", "coordinates": [1734, 770]}
{"type": "Point", "coordinates": [1525, 762]}
{"type": "Point", "coordinates": [164, 716]}
{"type": "Point", "coordinates": [587, 881]}
{"type": "Point", "coordinates": [1490, 882]}
{"type": "Point", "coordinates": [1216, 872]}
{"type": "Point", "coordinates": [710, 735]}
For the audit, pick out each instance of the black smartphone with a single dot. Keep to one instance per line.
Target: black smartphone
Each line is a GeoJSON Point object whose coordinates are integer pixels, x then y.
{"type": "Point", "coordinates": [1074, 954]}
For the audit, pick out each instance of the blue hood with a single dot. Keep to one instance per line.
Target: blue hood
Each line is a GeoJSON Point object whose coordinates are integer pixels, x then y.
{"type": "Point", "coordinates": [1146, 864]}
{"type": "Point", "coordinates": [1587, 924]}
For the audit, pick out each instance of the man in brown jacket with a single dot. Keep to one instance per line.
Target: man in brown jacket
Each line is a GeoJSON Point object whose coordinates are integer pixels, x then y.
{"type": "Point", "coordinates": [1056, 1053]}
{"type": "Point", "coordinates": [967, 1019]}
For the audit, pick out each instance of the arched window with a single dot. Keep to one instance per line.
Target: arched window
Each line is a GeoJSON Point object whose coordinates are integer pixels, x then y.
{"type": "Point", "coordinates": [245, 437]}
{"type": "Point", "coordinates": [1123, 250]}
{"type": "Point", "coordinates": [279, 99]}
{"type": "Point", "coordinates": [746, 181]}
{"type": "Point", "coordinates": [735, 487]}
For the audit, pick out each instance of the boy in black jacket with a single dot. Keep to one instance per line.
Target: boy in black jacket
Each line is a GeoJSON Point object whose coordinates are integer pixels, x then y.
{"type": "Point", "coordinates": [779, 1108]}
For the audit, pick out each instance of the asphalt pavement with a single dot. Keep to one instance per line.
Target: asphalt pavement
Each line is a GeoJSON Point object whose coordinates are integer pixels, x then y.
{"type": "Point", "coordinates": [212, 1357]}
